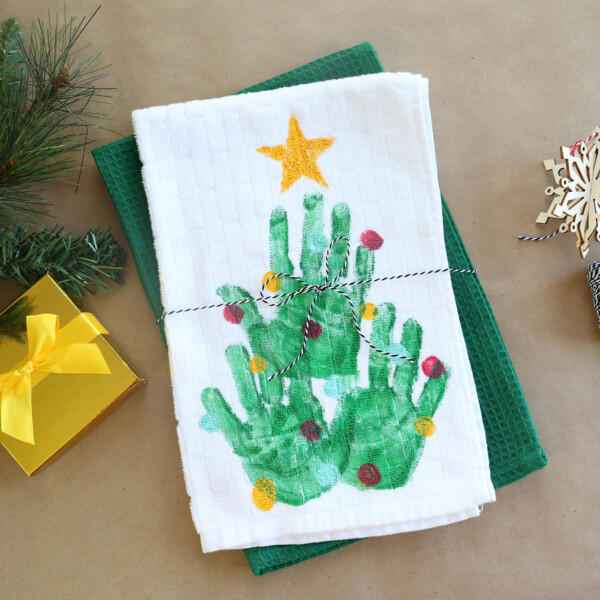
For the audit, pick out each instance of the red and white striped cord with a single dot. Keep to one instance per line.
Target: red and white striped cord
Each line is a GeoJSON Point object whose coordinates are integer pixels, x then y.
{"type": "Point", "coordinates": [576, 147]}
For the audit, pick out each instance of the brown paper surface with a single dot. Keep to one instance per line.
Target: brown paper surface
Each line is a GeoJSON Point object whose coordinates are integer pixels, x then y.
{"type": "Point", "coordinates": [510, 82]}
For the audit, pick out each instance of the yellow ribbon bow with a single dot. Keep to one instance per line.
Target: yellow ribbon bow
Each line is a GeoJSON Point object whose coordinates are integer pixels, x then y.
{"type": "Point", "coordinates": [49, 352]}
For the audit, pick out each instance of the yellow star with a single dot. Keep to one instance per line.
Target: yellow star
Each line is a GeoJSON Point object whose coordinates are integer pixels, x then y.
{"type": "Point", "coordinates": [299, 156]}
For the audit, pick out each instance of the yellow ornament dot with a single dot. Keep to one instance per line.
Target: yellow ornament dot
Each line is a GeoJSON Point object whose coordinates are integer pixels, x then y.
{"type": "Point", "coordinates": [368, 311]}
{"type": "Point", "coordinates": [274, 285]}
{"type": "Point", "coordinates": [258, 364]}
{"type": "Point", "coordinates": [264, 494]}
{"type": "Point", "coordinates": [425, 426]}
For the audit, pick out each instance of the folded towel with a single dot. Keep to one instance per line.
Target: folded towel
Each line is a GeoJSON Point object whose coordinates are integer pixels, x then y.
{"type": "Point", "coordinates": [293, 426]}
{"type": "Point", "coordinates": [513, 445]}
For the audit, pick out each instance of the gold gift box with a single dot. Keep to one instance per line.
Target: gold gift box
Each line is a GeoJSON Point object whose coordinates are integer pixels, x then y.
{"type": "Point", "coordinates": [64, 405]}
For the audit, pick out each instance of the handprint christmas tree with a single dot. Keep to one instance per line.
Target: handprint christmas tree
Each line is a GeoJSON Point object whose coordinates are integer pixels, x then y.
{"type": "Point", "coordinates": [376, 438]}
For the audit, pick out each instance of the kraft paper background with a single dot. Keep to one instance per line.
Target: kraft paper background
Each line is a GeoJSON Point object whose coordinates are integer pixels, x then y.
{"type": "Point", "coordinates": [509, 83]}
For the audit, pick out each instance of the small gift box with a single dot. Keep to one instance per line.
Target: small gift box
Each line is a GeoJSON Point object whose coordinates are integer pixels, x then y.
{"type": "Point", "coordinates": [59, 373]}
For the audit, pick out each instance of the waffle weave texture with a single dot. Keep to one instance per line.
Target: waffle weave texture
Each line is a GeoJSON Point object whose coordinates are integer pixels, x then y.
{"type": "Point", "coordinates": [513, 446]}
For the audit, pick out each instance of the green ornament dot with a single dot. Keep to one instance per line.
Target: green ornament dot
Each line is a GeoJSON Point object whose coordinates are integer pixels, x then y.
{"type": "Point", "coordinates": [210, 422]}
{"type": "Point", "coordinates": [327, 475]}
{"type": "Point", "coordinates": [397, 349]}
{"type": "Point", "coordinates": [317, 242]}
{"type": "Point", "coordinates": [334, 387]}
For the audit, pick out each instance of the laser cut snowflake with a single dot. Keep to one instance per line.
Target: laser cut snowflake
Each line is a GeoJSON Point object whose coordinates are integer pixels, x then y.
{"type": "Point", "coordinates": [576, 197]}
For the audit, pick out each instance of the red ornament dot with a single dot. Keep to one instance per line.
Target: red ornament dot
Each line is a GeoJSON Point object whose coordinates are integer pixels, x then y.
{"type": "Point", "coordinates": [312, 329]}
{"type": "Point", "coordinates": [433, 367]}
{"type": "Point", "coordinates": [369, 474]}
{"type": "Point", "coordinates": [371, 240]}
{"type": "Point", "coordinates": [311, 430]}
{"type": "Point", "coordinates": [233, 314]}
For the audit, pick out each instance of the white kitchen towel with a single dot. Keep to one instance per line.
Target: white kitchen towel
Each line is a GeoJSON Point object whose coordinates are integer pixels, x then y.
{"type": "Point", "coordinates": [292, 428]}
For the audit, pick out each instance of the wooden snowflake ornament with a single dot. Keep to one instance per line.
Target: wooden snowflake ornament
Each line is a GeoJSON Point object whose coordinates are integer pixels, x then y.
{"type": "Point", "coordinates": [576, 197]}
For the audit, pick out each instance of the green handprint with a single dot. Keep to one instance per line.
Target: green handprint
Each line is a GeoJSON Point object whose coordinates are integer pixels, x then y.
{"type": "Point", "coordinates": [390, 430]}
{"type": "Point", "coordinates": [333, 339]}
{"type": "Point", "coordinates": [288, 450]}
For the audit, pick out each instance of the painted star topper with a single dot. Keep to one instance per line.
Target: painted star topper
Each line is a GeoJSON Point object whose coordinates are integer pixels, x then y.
{"type": "Point", "coordinates": [298, 156]}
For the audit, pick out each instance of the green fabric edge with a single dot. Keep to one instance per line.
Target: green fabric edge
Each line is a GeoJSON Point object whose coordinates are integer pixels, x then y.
{"type": "Point", "coordinates": [498, 388]}
{"type": "Point", "coordinates": [124, 182]}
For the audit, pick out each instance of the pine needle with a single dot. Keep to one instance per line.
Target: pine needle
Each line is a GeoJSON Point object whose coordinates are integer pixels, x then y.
{"type": "Point", "coordinates": [79, 264]}
{"type": "Point", "coordinates": [49, 100]}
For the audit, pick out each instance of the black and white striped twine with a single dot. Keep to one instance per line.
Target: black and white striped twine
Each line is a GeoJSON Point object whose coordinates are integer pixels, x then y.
{"type": "Point", "coordinates": [525, 238]}
{"type": "Point", "coordinates": [593, 272]}
{"type": "Point", "coordinates": [319, 289]}
{"type": "Point", "coordinates": [594, 281]}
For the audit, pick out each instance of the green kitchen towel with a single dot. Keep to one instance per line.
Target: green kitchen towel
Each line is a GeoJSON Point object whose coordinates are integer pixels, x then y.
{"type": "Point", "coordinates": [513, 446]}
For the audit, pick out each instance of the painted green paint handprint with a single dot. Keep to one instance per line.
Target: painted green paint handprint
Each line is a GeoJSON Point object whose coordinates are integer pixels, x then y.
{"type": "Point", "coordinates": [287, 449]}
{"type": "Point", "coordinates": [377, 435]}
{"type": "Point", "coordinates": [334, 341]}
{"type": "Point", "coordinates": [390, 430]}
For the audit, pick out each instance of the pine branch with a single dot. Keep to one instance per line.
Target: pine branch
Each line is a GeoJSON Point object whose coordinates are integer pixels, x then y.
{"type": "Point", "coordinates": [77, 264]}
{"type": "Point", "coordinates": [11, 60]}
{"type": "Point", "coordinates": [49, 100]}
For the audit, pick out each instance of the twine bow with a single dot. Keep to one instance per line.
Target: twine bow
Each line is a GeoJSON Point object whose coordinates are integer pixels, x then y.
{"type": "Point", "coordinates": [49, 351]}
{"type": "Point", "coordinates": [308, 288]}
{"type": "Point", "coordinates": [319, 289]}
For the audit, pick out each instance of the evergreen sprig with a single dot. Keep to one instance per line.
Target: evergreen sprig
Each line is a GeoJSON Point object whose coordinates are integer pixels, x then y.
{"type": "Point", "coordinates": [49, 100]}
{"type": "Point", "coordinates": [77, 263]}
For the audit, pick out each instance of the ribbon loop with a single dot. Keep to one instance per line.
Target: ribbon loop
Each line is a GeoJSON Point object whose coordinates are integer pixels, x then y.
{"type": "Point", "coordinates": [41, 336]}
{"type": "Point", "coordinates": [46, 354]}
